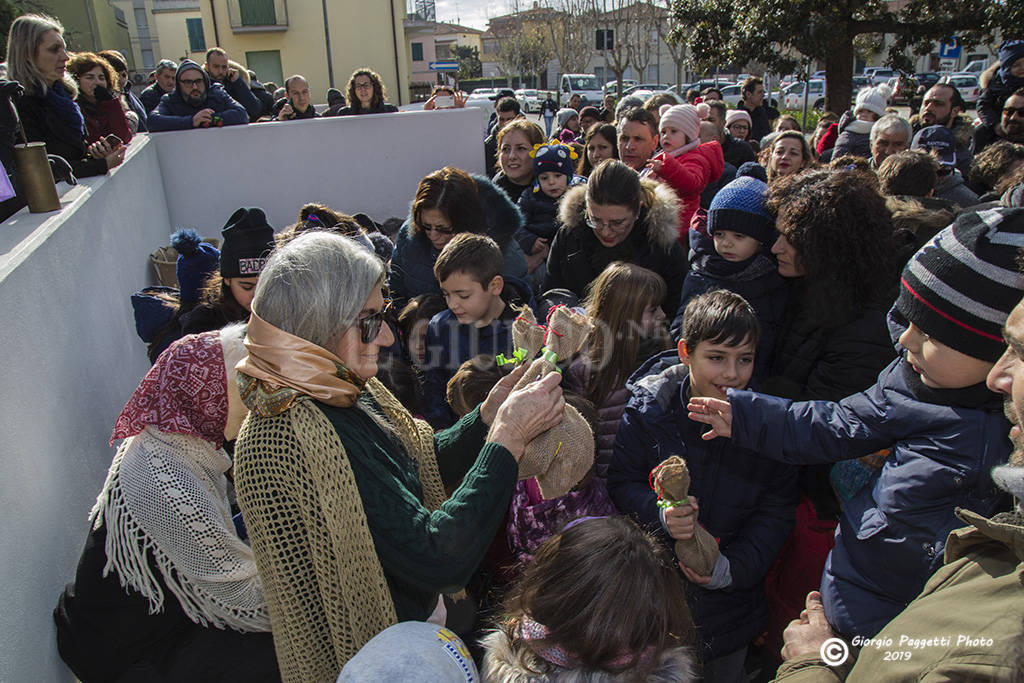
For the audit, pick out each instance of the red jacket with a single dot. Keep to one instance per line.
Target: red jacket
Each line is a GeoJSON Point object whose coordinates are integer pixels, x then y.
{"type": "Point", "coordinates": [688, 175]}
{"type": "Point", "coordinates": [104, 118]}
{"type": "Point", "coordinates": [828, 138]}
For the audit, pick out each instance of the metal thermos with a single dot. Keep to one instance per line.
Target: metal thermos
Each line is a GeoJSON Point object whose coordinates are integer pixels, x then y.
{"type": "Point", "coordinates": [36, 178]}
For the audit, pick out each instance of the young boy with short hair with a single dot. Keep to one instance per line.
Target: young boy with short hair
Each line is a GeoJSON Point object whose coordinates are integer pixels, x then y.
{"type": "Point", "coordinates": [746, 501]}
{"type": "Point", "coordinates": [931, 408]}
{"type": "Point", "coordinates": [478, 319]}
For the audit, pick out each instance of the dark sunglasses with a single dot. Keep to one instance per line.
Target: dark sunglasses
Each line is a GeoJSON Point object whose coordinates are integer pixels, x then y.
{"type": "Point", "coordinates": [369, 327]}
{"type": "Point", "coordinates": [1010, 111]}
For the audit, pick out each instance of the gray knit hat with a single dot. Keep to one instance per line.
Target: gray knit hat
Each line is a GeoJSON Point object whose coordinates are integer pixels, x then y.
{"type": "Point", "coordinates": [960, 287]}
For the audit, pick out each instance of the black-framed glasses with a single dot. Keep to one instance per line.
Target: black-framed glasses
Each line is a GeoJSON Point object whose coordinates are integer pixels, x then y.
{"type": "Point", "coordinates": [608, 226]}
{"type": "Point", "coordinates": [191, 82]}
{"type": "Point", "coordinates": [369, 327]}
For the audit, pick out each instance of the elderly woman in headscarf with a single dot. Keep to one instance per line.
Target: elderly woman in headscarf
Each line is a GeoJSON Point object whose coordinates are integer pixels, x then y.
{"type": "Point", "coordinates": [166, 590]}
{"type": "Point", "coordinates": [342, 491]}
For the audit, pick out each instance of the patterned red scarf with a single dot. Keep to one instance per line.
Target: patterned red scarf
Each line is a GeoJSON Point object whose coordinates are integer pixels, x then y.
{"type": "Point", "coordinates": [185, 392]}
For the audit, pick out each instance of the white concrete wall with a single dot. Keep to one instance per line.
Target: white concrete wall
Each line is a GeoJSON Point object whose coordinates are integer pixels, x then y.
{"type": "Point", "coordinates": [70, 360]}
{"type": "Point", "coordinates": [368, 163]}
{"type": "Point", "coordinates": [71, 357]}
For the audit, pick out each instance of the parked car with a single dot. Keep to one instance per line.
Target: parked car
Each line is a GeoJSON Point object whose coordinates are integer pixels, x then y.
{"type": "Point", "coordinates": [977, 66]}
{"type": "Point", "coordinates": [818, 75]}
{"type": "Point", "coordinates": [794, 95]}
{"type": "Point", "coordinates": [482, 92]}
{"type": "Point", "coordinates": [644, 86]}
{"type": "Point", "coordinates": [529, 99]}
{"type": "Point", "coordinates": [584, 85]}
{"type": "Point", "coordinates": [903, 88]}
{"type": "Point", "coordinates": [612, 87]}
{"type": "Point", "coordinates": [968, 86]}
{"type": "Point", "coordinates": [927, 78]}
{"type": "Point", "coordinates": [878, 74]}
{"type": "Point", "coordinates": [732, 94]}
{"type": "Point", "coordinates": [481, 99]}
{"type": "Point", "coordinates": [699, 85]}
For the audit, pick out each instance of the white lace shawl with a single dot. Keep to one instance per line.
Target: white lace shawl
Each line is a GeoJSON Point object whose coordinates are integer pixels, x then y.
{"type": "Point", "coordinates": [166, 495]}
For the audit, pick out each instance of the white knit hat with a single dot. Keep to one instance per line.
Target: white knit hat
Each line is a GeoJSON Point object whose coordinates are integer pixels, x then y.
{"type": "Point", "coordinates": [734, 115]}
{"type": "Point", "coordinates": [872, 100]}
{"type": "Point", "coordinates": [683, 117]}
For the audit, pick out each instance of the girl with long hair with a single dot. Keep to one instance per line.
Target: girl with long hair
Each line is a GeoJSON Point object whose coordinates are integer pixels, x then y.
{"type": "Point", "coordinates": [600, 143]}
{"type": "Point", "coordinates": [629, 327]}
{"type": "Point", "coordinates": [581, 609]}
{"type": "Point", "coordinates": [366, 94]}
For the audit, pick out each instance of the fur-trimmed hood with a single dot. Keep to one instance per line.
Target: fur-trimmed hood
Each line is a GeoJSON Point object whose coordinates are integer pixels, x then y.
{"type": "Point", "coordinates": [502, 664]}
{"type": "Point", "coordinates": [921, 214]}
{"type": "Point", "coordinates": [963, 128]}
{"type": "Point", "coordinates": [660, 220]}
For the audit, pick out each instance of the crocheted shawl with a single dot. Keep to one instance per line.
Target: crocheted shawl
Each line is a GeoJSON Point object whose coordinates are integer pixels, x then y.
{"type": "Point", "coordinates": [324, 584]}
{"type": "Point", "coordinates": [166, 498]}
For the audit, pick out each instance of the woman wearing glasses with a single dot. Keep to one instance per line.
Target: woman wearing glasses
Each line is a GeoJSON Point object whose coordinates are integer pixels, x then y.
{"type": "Point", "coordinates": [449, 201]}
{"type": "Point", "coordinates": [366, 94]}
{"type": "Point", "coordinates": [617, 216]}
{"type": "Point", "coordinates": [342, 491]}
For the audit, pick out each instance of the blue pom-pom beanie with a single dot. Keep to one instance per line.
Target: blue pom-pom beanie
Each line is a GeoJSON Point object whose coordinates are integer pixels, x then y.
{"type": "Point", "coordinates": [197, 260]}
{"type": "Point", "coordinates": [553, 157]}
{"type": "Point", "coordinates": [1009, 52]}
{"type": "Point", "coordinates": [740, 207]}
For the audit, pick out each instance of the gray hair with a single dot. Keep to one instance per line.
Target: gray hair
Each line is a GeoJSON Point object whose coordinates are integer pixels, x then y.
{"type": "Point", "coordinates": [166, 64]}
{"type": "Point", "coordinates": [314, 287]}
{"type": "Point", "coordinates": [891, 123]}
{"type": "Point", "coordinates": [23, 41]}
{"type": "Point", "coordinates": [627, 102]}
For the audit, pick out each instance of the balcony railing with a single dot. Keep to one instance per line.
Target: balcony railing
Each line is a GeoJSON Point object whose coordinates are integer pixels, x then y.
{"type": "Point", "coordinates": [257, 15]}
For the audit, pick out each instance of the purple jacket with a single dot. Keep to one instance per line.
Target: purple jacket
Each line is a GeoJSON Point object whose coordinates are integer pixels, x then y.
{"type": "Point", "coordinates": [577, 380]}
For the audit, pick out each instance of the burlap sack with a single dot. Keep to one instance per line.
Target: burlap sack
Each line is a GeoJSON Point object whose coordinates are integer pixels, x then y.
{"type": "Point", "coordinates": [527, 334]}
{"type": "Point", "coordinates": [560, 457]}
{"type": "Point", "coordinates": [672, 484]}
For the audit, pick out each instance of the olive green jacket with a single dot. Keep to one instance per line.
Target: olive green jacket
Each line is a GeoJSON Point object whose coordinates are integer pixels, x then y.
{"type": "Point", "coordinates": [965, 625]}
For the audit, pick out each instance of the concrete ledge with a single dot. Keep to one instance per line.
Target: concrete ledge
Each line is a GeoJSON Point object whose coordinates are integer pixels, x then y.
{"type": "Point", "coordinates": [71, 357]}
{"type": "Point", "coordinates": [369, 163]}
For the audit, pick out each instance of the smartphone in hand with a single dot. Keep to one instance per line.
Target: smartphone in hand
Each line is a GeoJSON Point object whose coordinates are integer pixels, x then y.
{"type": "Point", "coordinates": [113, 140]}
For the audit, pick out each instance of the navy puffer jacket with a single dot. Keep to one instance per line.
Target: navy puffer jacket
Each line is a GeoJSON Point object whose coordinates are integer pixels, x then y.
{"type": "Point", "coordinates": [892, 533]}
{"type": "Point", "coordinates": [746, 501]}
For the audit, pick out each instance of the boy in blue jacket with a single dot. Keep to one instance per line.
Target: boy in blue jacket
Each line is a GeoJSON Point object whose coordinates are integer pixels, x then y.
{"type": "Point", "coordinates": [943, 427]}
{"type": "Point", "coordinates": [478, 319]}
{"type": "Point", "coordinates": [746, 501]}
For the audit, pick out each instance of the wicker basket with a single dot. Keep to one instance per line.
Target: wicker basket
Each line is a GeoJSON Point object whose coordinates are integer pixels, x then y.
{"type": "Point", "coordinates": [165, 261]}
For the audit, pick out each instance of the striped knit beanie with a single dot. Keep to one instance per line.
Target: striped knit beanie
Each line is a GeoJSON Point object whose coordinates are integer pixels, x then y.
{"type": "Point", "coordinates": [740, 207]}
{"type": "Point", "coordinates": [960, 287]}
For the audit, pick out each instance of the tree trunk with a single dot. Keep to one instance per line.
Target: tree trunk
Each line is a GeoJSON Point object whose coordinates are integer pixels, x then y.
{"type": "Point", "coordinates": [839, 70]}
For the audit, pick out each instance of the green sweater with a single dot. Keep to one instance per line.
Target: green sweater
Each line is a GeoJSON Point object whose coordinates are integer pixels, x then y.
{"type": "Point", "coordinates": [424, 553]}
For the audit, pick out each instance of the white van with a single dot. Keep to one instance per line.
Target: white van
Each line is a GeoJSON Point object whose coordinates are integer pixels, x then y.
{"type": "Point", "coordinates": [584, 85]}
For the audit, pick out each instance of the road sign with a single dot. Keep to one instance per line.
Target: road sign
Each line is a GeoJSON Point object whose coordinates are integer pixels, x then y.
{"type": "Point", "coordinates": [444, 66]}
{"type": "Point", "coordinates": [949, 48]}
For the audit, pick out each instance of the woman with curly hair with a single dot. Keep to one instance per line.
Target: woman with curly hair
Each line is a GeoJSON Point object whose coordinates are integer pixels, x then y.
{"type": "Point", "coordinates": [102, 110]}
{"type": "Point", "coordinates": [366, 94]}
{"type": "Point", "coordinates": [836, 247]}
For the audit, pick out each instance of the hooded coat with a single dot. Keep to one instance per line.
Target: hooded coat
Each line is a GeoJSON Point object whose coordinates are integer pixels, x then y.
{"type": "Point", "coordinates": [747, 501]}
{"type": "Point", "coordinates": [175, 113]}
{"type": "Point", "coordinates": [951, 187]}
{"type": "Point", "coordinates": [412, 264]}
{"type": "Point", "coordinates": [577, 257]}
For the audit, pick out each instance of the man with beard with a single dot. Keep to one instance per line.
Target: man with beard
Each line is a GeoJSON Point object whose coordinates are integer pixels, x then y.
{"type": "Point", "coordinates": [195, 103]}
{"type": "Point", "coordinates": [229, 74]}
{"type": "Point", "coordinates": [966, 623]}
{"type": "Point", "coordinates": [1010, 126]}
{"type": "Point", "coordinates": [944, 106]}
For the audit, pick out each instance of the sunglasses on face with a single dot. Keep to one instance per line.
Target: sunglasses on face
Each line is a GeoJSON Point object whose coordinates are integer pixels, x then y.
{"type": "Point", "coordinates": [369, 327]}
